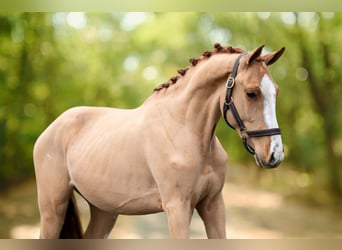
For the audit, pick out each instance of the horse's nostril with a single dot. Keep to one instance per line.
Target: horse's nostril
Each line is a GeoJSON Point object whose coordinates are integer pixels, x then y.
{"type": "Point", "coordinates": [273, 161]}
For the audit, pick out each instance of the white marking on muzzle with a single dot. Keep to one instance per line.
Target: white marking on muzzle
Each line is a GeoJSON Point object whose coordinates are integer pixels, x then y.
{"type": "Point", "coordinates": [269, 92]}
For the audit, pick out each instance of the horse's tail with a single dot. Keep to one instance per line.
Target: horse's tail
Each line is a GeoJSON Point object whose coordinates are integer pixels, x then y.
{"type": "Point", "coordinates": [72, 228]}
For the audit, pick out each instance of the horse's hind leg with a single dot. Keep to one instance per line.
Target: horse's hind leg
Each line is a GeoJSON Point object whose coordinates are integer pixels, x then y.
{"type": "Point", "coordinates": [53, 199]}
{"type": "Point", "coordinates": [101, 223]}
{"type": "Point", "coordinates": [53, 202]}
{"type": "Point", "coordinates": [54, 189]}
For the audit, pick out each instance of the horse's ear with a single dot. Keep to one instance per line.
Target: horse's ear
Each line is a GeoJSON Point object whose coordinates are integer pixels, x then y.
{"type": "Point", "coordinates": [254, 54]}
{"type": "Point", "coordinates": [273, 57]}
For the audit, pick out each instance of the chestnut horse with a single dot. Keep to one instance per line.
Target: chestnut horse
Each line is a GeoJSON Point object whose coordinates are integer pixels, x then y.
{"type": "Point", "coordinates": [163, 155]}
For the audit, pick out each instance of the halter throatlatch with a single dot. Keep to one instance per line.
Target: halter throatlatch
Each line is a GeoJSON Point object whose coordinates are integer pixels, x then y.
{"type": "Point", "coordinates": [229, 105]}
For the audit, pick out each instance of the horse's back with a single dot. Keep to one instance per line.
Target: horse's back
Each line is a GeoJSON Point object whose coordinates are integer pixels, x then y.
{"type": "Point", "coordinates": [61, 128]}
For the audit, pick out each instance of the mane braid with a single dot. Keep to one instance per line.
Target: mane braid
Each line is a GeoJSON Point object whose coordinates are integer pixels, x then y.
{"type": "Point", "coordinates": [218, 49]}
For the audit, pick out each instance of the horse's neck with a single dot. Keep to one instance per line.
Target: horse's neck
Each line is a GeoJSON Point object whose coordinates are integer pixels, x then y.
{"type": "Point", "coordinates": [195, 99]}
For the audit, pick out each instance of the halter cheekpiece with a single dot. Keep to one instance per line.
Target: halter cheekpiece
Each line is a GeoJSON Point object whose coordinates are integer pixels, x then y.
{"type": "Point", "coordinates": [229, 105]}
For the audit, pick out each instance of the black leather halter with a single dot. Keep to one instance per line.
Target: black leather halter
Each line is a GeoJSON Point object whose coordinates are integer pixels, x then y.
{"type": "Point", "coordinates": [229, 105]}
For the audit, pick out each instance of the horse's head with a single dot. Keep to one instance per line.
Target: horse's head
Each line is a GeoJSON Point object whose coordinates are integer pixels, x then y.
{"type": "Point", "coordinates": [250, 106]}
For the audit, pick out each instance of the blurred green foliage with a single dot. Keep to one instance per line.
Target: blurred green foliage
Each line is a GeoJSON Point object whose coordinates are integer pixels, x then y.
{"type": "Point", "coordinates": [52, 61]}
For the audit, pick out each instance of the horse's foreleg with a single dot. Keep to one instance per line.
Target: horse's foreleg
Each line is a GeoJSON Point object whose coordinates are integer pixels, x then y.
{"type": "Point", "coordinates": [179, 214]}
{"type": "Point", "coordinates": [101, 223]}
{"type": "Point", "coordinates": [212, 212]}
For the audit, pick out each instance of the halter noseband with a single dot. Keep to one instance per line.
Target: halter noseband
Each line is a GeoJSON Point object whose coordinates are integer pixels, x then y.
{"type": "Point", "coordinates": [229, 105]}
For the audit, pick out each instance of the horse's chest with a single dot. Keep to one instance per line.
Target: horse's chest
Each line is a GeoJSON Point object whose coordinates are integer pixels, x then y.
{"type": "Point", "coordinates": [209, 183]}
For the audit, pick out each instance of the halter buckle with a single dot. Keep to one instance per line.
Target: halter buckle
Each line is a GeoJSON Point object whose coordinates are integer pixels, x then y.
{"type": "Point", "coordinates": [230, 83]}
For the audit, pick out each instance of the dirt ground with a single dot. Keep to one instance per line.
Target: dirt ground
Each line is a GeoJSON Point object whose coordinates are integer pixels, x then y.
{"type": "Point", "coordinates": [251, 214]}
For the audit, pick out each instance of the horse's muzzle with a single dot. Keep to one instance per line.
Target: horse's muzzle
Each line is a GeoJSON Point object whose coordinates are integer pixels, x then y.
{"type": "Point", "coordinates": [274, 160]}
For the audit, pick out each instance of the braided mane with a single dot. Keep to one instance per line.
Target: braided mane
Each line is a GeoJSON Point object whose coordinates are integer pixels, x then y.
{"type": "Point", "coordinates": [218, 49]}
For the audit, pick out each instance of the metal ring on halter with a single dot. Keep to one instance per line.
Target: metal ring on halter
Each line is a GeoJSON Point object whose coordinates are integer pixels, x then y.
{"type": "Point", "coordinates": [247, 146]}
{"type": "Point", "coordinates": [244, 133]}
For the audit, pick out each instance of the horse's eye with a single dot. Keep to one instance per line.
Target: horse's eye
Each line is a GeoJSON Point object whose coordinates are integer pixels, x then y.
{"type": "Point", "coordinates": [251, 94]}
